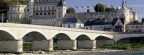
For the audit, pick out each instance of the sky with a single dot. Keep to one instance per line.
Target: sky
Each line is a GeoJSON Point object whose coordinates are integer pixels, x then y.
{"type": "Point", "coordinates": [137, 5]}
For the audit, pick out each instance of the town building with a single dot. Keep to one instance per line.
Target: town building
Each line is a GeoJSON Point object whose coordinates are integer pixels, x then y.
{"type": "Point", "coordinates": [73, 23]}
{"type": "Point", "coordinates": [16, 14]}
{"type": "Point", "coordinates": [135, 26]}
{"type": "Point", "coordinates": [53, 13]}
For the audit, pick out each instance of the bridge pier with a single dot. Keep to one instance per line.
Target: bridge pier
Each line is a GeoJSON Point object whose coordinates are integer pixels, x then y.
{"type": "Point", "coordinates": [11, 46]}
{"type": "Point", "coordinates": [67, 44]}
{"type": "Point", "coordinates": [87, 44]}
{"type": "Point", "coordinates": [46, 45]}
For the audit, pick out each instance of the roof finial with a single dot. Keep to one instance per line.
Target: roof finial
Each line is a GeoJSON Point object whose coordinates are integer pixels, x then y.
{"type": "Point", "coordinates": [123, 2]}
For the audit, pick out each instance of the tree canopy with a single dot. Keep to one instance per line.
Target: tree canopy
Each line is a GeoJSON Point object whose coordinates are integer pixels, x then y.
{"type": "Point", "coordinates": [70, 10]}
{"type": "Point", "coordinates": [4, 4]}
{"type": "Point", "coordinates": [135, 22]}
{"type": "Point", "coordinates": [99, 7]}
{"type": "Point", "coordinates": [109, 9]}
{"type": "Point", "coordinates": [103, 8]}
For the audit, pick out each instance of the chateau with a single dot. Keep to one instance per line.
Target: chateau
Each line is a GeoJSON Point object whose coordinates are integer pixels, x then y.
{"type": "Point", "coordinates": [53, 13]}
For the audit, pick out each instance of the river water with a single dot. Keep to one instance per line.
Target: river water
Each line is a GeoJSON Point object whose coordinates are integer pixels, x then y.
{"type": "Point", "coordinates": [104, 53]}
{"type": "Point", "coordinates": [93, 52]}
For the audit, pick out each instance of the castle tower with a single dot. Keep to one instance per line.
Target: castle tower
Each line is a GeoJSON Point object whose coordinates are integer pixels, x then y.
{"type": "Point", "coordinates": [29, 11]}
{"type": "Point", "coordinates": [124, 13]}
{"type": "Point", "coordinates": [30, 6]}
{"type": "Point", "coordinates": [61, 9]}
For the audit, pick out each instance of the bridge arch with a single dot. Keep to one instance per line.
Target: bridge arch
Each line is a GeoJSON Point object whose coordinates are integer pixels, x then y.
{"type": "Point", "coordinates": [101, 37]}
{"type": "Point", "coordinates": [62, 36]}
{"type": "Point", "coordinates": [85, 42]}
{"type": "Point", "coordinates": [35, 34]}
{"type": "Point", "coordinates": [63, 41]}
{"type": "Point", "coordinates": [131, 40]}
{"type": "Point", "coordinates": [7, 35]}
{"type": "Point", "coordinates": [83, 37]}
{"type": "Point", "coordinates": [100, 40]}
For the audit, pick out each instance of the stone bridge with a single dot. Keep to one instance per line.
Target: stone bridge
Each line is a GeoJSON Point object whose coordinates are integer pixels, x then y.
{"type": "Point", "coordinates": [11, 37]}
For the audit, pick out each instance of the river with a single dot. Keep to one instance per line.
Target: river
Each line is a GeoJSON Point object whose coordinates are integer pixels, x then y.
{"type": "Point", "coordinates": [101, 52]}
{"type": "Point", "coordinates": [97, 53]}
{"type": "Point", "coordinates": [105, 53]}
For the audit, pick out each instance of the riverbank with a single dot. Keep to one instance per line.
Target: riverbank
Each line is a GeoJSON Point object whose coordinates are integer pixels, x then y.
{"type": "Point", "coordinates": [129, 47]}
{"type": "Point", "coordinates": [64, 52]}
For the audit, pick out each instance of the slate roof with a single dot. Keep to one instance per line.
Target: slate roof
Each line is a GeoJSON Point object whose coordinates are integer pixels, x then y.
{"type": "Point", "coordinates": [142, 20]}
{"type": "Point", "coordinates": [122, 16]}
{"type": "Point", "coordinates": [72, 20]}
{"type": "Point", "coordinates": [61, 3]}
{"type": "Point", "coordinates": [118, 26]}
{"type": "Point", "coordinates": [115, 20]}
{"type": "Point", "coordinates": [122, 20]}
{"type": "Point", "coordinates": [96, 22]}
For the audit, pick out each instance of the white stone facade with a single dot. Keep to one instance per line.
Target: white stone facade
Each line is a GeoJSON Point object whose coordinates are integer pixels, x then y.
{"type": "Point", "coordinates": [16, 13]}
{"type": "Point", "coordinates": [135, 28]}
{"type": "Point", "coordinates": [73, 25]}
{"type": "Point", "coordinates": [47, 12]}
{"type": "Point", "coordinates": [128, 14]}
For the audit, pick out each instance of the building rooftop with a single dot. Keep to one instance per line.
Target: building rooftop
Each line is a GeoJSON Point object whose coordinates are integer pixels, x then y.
{"type": "Point", "coordinates": [98, 21]}
{"type": "Point", "coordinates": [61, 3]}
{"type": "Point", "coordinates": [72, 20]}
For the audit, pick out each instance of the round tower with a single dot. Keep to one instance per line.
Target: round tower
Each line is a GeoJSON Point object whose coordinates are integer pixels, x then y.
{"type": "Point", "coordinates": [126, 12]}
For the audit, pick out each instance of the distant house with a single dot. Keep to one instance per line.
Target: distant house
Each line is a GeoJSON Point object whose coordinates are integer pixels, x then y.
{"type": "Point", "coordinates": [139, 27]}
{"type": "Point", "coordinates": [118, 24]}
{"type": "Point", "coordinates": [98, 24]}
{"type": "Point", "coordinates": [72, 23]}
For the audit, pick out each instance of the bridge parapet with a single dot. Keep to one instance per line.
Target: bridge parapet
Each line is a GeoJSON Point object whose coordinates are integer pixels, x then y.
{"type": "Point", "coordinates": [51, 28]}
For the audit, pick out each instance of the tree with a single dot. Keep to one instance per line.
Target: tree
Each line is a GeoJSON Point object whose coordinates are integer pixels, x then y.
{"type": "Point", "coordinates": [88, 10]}
{"type": "Point", "coordinates": [99, 8]}
{"type": "Point", "coordinates": [70, 10]}
{"type": "Point", "coordinates": [4, 4]}
{"type": "Point", "coordinates": [108, 9]}
{"type": "Point", "coordinates": [135, 22]}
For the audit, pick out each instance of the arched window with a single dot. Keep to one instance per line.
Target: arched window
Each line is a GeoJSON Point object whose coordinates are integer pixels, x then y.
{"type": "Point", "coordinates": [44, 8]}
{"type": "Point", "coordinates": [40, 8]}
{"type": "Point", "coordinates": [41, 14]}
{"type": "Point", "coordinates": [68, 26]}
{"type": "Point", "coordinates": [36, 8]}
{"type": "Point", "coordinates": [37, 14]}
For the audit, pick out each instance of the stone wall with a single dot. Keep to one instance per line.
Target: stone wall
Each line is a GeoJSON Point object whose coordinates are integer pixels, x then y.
{"type": "Point", "coordinates": [86, 44]}
{"type": "Point", "coordinates": [14, 46]}
{"type": "Point", "coordinates": [67, 44]}
{"type": "Point", "coordinates": [42, 45]}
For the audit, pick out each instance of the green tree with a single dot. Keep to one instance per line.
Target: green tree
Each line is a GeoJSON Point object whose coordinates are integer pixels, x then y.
{"type": "Point", "coordinates": [113, 9]}
{"type": "Point", "coordinates": [88, 10]}
{"type": "Point", "coordinates": [99, 7]}
{"type": "Point", "coordinates": [108, 9]}
{"type": "Point", "coordinates": [4, 4]}
{"type": "Point", "coordinates": [135, 22]}
{"type": "Point", "coordinates": [70, 10]}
